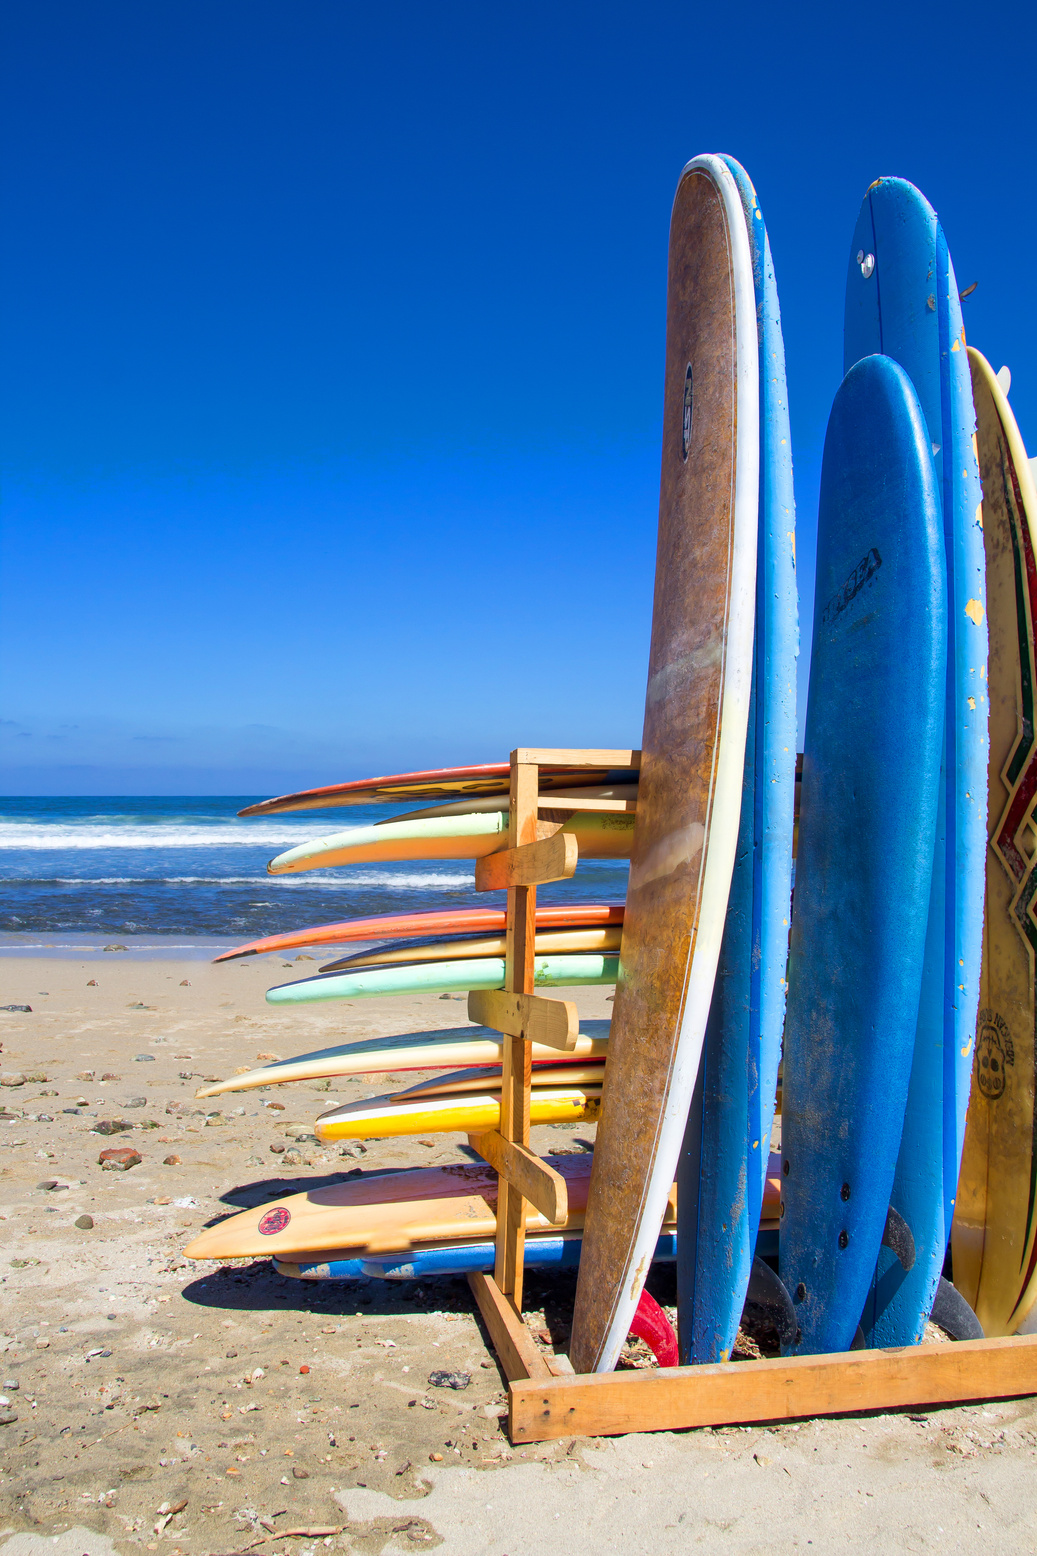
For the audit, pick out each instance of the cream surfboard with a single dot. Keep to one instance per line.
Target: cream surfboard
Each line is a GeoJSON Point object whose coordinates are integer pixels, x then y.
{"type": "Point", "coordinates": [994, 1235]}
{"type": "Point", "coordinates": [450, 837]}
{"type": "Point", "coordinates": [621, 797]}
{"type": "Point", "coordinates": [550, 941]}
{"type": "Point", "coordinates": [480, 1079]}
{"type": "Point", "coordinates": [412, 1051]}
{"type": "Point", "coordinates": [693, 750]}
{"type": "Point", "coordinates": [441, 783]}
{"type": "Point", "coordinates": [385, 1213]}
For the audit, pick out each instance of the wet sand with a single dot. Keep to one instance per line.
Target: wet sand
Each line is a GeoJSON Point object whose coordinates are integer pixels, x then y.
{"type": "Point", "coordinates": [136, 1381]}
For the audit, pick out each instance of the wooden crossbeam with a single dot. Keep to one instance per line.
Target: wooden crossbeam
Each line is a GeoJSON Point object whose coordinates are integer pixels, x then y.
{"type": "Point", "coordinates": [528, 864]}
{"type": "Point", "coordinates": [555, 1023]}
{"type": "Point", "coordinates": [675, 1398]}
{"type": "Point", "coordinates": [548, 802]}
{"type": "Point", "coordinates": [533, 1178]}
{"type": "Point", "coordinates": [575, 757]}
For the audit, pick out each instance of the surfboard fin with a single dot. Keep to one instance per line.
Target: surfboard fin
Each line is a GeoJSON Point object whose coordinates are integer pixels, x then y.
{"type": "Point", "coordinates": [651, 1325]}
{"type": "Point", "coordinates": [952, 1313]}
{"type": "Point", "coordinates": [767, 1299]}
{"type": "Point", "coordinates": [897, 1236]}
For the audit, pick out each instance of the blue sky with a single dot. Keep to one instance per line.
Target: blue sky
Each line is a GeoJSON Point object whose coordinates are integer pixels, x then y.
{"type": "Point", "coordinates": [333, 340]}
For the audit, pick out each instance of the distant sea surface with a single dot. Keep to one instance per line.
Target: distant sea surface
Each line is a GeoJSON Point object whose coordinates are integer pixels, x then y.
{"type": "Point", "coordinates": [190, 867]}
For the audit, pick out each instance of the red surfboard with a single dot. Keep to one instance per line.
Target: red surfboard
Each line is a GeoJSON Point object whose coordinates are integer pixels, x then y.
{"type": "Point", "coordinates": [439, 921]}
{"type": "Point", "coordinates": [437, 783]}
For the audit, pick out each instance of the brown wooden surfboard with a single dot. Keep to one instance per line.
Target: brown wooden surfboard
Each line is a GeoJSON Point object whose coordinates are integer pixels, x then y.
{"type": "Point", "coordinates": [693, 752]}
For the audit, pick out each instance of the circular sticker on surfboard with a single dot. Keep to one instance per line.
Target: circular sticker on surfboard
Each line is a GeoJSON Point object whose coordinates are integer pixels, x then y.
{"type": "Point", "coordinates": [686, 429]}
{"type": "Point", "coordinates": [274, 1220]}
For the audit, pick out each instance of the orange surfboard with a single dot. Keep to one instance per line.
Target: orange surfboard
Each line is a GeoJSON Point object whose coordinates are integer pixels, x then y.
{"type": "Point", "coordinates": [441, 921]}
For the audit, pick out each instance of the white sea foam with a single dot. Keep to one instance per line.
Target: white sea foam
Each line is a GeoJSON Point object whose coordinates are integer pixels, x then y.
{"type": "Point", "coordinates": [66, 836]}
{"type": "Point", "coordinates": [403, 882]}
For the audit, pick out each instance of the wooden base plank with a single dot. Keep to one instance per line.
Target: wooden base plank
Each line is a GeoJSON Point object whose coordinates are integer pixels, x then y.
{"type": "Point", "coordinates": [512, 1341]}
{"type": "Point", "coordinates": [673, 1398]}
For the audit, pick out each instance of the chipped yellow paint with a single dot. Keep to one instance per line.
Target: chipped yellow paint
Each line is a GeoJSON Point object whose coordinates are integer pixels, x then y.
{"type": "Point", "coordinates": [956, 346]}
{"type": "Point", "coordinates": [972, 704]}
{"type": "Point", "coordinates": [974, 611]}
{"type": "Point", "coordinates": [872, 186]}
{"type": "Point", "coordinates": [792, 537]}
{"type": "Point", "coordinates": [979, 514]}
{"type": "Point", "coordinates": [967, 1049]}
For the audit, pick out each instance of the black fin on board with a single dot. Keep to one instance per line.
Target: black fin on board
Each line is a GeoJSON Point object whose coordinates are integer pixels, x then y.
{"type": "Point", "coordinates": [767, 1300]}
{"type": "Point", "coordinates": [897, 1236]}
{"type": "Point", "coordinates": [952, 1313]}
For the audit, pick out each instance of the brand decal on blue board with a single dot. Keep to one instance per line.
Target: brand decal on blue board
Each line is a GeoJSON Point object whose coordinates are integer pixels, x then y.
{"type": "Point", "coordinates": [862, 574]}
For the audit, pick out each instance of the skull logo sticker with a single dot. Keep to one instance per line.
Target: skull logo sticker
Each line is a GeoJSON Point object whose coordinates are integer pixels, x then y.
{"type": "Point", "coordinates": [995, 1051]}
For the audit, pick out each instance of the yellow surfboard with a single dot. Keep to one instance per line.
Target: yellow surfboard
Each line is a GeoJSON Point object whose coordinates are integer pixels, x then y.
{"type": "Point", "coordinates": [548, 942]}
{"type": "Point", "coordinates": [994, 1236]}
{"type": "Point", "coordinates": [470, 1112]}
{"type": "Point", "coordinates": [413, 1051]}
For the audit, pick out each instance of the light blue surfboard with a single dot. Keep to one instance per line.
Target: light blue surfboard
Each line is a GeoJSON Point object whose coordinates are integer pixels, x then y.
{"type": "Point", "coordinates": [902, 300]}
{"type": "Point", "coordinates": [724, 1159]}
{"type": "Point", "coordinates": [559, 1251]}
{"type": "Point", "coordinates": [867, 835]}
{"type": "Point", "coordinates": [485, 972]}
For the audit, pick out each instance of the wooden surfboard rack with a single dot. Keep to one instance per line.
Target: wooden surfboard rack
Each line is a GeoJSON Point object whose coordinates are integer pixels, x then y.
{"type": "Point", "coordinates": [546, 1399]}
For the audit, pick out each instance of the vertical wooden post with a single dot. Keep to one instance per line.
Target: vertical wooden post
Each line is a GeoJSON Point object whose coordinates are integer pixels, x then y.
{"type": "Point", "coordinates": [517, 1057]}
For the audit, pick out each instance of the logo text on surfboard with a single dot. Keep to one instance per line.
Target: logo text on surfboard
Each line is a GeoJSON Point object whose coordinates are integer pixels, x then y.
{"type": "Point", "coordinates": [862, 574]}
{"type": "Point", "coordinates": [686, 428]}
{"type": "Point", "coordinates": [275, 1220]}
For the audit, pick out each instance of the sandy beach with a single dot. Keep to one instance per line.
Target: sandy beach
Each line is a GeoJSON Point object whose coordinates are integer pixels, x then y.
{"type": "Point", "coordinates": [154, 1404]}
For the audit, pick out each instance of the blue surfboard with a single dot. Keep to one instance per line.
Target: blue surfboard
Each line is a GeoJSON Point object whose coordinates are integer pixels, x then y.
{"type": "Point", "coordinates": [723, 1162]}
{"type": "Point", "coordinates": [902, 300]}
{"type": "Point", "coordinates": [560, 1251]}
{"type": "Point", "coordinates": [874, 730]}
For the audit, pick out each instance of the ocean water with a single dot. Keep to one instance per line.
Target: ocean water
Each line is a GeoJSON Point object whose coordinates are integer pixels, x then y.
{"type": "Point", "coordinates": [91, 868]}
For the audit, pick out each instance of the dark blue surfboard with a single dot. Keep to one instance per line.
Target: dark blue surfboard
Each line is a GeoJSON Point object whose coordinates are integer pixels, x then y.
{"type": "Point", "coordinates": [902, 300]}
{"type": "Point", "coordinates": [723, 1163]}
{"type": "Point", "coordinates": [871, 771]}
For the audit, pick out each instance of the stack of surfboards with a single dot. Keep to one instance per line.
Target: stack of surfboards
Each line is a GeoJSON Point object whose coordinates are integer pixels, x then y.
{"type": "Point", "coordinates": [884, 968]}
